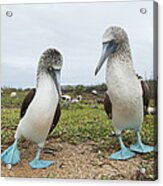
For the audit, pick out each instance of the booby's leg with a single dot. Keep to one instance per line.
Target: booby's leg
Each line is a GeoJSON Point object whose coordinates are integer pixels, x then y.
{"type": "Point", "coordinates": [11, 155]}
{"type": "Point", "coordinates": [38, 164]}
{"type": "Point", "coordinates": [139, 146]}
{"type": "Point", "coordinates": [124, 154]}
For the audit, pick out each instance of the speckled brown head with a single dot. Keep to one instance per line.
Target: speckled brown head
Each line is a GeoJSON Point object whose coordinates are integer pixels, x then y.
{"type": "Point", "coordinates": [115, 42]}
{"type": "Point", "coordinates": [51, 62]}
{"type": "Point", "coordinates": [50, 58]}
{"type": "Point", "coordinates": [116, 34]}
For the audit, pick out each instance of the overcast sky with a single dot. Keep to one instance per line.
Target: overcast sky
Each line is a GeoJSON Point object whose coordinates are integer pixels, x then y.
{"type": "Point", "coordinates": [76, 30]}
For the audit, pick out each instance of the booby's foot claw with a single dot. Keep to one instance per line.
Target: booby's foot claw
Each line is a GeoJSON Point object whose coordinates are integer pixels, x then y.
{"type": "Point", "coordinates": [141, 148]}
{"type": "Point", "coordinates": [11, 155]}
{"type": "Point", "coordinates": [39, 164]}
{"type": "Point", "coordinates": [123, 154]}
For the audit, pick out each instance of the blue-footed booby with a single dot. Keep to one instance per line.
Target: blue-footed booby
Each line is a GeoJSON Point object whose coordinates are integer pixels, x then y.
{"type": "Point", "coordinates": [124, 90]}
{"type": "Point", "coordinates": [40, 110]}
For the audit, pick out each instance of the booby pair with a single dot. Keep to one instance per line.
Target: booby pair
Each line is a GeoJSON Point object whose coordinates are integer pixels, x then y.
{"type": "Point", "coordinates": [124, 90]}
{"type": "Point", "coordinates": [40, 110]}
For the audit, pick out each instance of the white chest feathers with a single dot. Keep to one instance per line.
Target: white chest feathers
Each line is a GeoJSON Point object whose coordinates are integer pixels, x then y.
{"type": "Point", "coordinates": [36, 122]}
{"type": "Point", "coordinates": [125, 92]}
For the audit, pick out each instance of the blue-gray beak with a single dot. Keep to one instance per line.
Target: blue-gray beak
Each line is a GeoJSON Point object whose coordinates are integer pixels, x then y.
{"type": "Point", "coordinates": [108, 49]}
{"type": "Point", "coordinates": [56, 74]}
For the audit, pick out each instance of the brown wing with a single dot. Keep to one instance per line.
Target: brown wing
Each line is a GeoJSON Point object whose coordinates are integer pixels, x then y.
{"type": "Point", "coordinates": [28, 99]}
{"type": "Point", "coordinates": [108, 106]}
{"type": "Point", "coordinates": [146, 96]}
{"type": "Point", "coordinates": [56, 118]}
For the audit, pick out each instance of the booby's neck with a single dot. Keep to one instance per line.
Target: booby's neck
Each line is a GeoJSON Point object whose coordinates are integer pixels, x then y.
{"type": "Point", "coordinates": [41, 70]}
{"type": "Point", "coordinates": [46, 85]}
{"type": "Point", "coordinates": [40, 77]}
{"type": "Point", "coordinates": [120, 63]}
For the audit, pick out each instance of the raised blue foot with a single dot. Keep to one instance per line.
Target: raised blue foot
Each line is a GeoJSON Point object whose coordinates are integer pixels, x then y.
{"type": "Point", "coordinates": [39, 164]}
{"type": "Point", "coordinates": [140, 147]}
{"type": "Point", "coordinates": [11, 155]}
{"type": "Point", "coordinates": [123, 154]}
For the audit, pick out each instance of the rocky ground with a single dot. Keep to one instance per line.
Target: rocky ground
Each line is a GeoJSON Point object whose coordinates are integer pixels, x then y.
{"type": "Point", "coordinates": [82, 161]}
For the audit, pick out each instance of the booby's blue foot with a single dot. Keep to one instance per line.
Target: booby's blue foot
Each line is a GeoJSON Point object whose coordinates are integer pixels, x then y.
{"type": "Point", "coordinates": [11, 155]}
{"type": "Point", "coordinates": [140, 147]}
{"type": "Point", "coordinates": [123, 154]}
{"type": "Point", "coordinates": [39, 164]}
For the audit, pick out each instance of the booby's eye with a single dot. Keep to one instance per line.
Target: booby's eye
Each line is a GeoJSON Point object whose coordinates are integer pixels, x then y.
{"type": "Point", "coordinates": [50, 68]}
{"type": "Point", "coordinates": [111, 43]}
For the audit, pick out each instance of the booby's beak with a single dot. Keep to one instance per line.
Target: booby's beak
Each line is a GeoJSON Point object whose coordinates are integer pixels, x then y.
{"type": "Point", "coordinates": [56, 74]}
{"type": "Point", "coordinates": [108, 49]}
{"type": "Point", "coordinates": [58, 82]}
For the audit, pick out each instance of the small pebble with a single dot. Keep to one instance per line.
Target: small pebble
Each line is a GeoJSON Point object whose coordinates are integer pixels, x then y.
{"type": "Point", "coordinates": [101, 158]}
{"type": "Point", "coordinates": [142, 170]}
{"type": "Point", "coordinates": [9, 166]}
{"type": "Point", "coordinates": [61, 166]}
{"type": "Point", "coordinates": [99, 152]}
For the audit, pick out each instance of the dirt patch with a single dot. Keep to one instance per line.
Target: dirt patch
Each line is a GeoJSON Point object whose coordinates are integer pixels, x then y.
{"type": "Point", "coordinates": [81, 161]}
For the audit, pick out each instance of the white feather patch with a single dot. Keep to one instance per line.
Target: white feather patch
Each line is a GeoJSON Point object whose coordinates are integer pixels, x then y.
{"type": "Point", "coordinates": [36, 123]}
{"type": "Point", "coordinates": [125, 92]}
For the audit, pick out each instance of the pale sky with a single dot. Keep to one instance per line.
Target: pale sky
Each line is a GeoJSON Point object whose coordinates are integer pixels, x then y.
{"type": "Point", "coordinates": [76, 30]}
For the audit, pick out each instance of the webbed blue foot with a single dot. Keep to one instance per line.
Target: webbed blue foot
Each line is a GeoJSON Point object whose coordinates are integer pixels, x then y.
{"type": "Point", "coordinates": [123, 154]}
{"type": "Point", "coordinates": [11, 155]}
{"type": "Point", "coordinates": [39, 164]}
{"type": "Point", "coordinates": [140, 147]}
